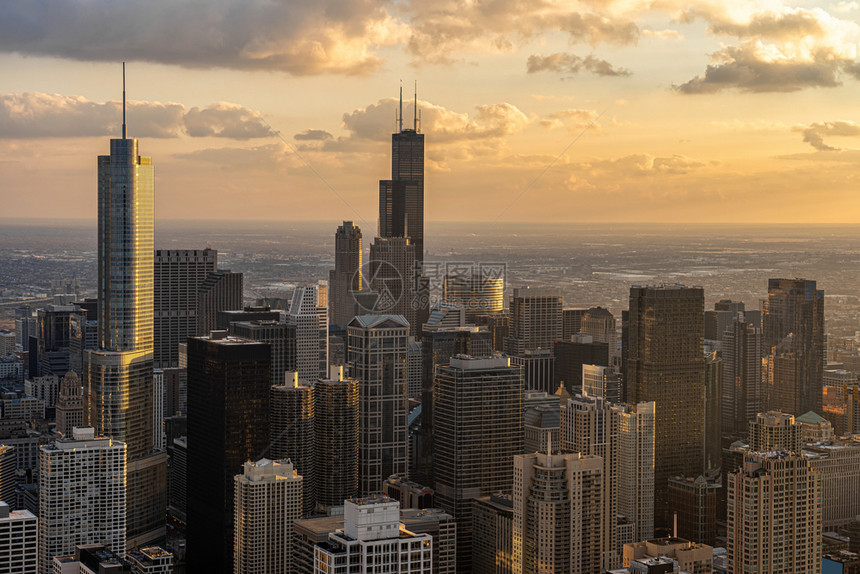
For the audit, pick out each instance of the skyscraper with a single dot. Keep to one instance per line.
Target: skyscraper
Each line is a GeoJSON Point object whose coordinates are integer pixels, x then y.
{"type": "Point", "coordinates": [780, 494]}
{"type": "Point", "coordinates": [589, 427]}
{"type": "Point", "coordinates": [535, 319]}
{"type": "Point", "coordinates": [392, 273]}
{"type": "Point", "coordinates": [437, 348]}
{"type": "Point", "coordinates": [268, 499]}
{"type": "Point", "coordinates": [346, 276]}
{"type": "Point", "coordinates": [743, 396]}
{"type": "Point", "coordinates": [118, 381]}
{"type": "Point", "coordinates": [558, 509]}
{"type": "Point", "coordinates": [220, 291]}
{"type": "Point", "coordinates": [228, 404]}
{"type": "Point", "coordinates": [18, 541]}
{"type": "Point", "coordinates": [401, 199]}
{"type": "Point", "coordinates": [378, 345]}
{"type": "Point", "coordinates": [178, 275]}
{"type": "Point", "coordinates": [309, 313]}
{"type": "Point", "coordinates": [793, 328]}
{"type": "Point", "coordinates": [291, 416]}
{"type": "Point", "coordinates": [477, 292]}
{"type": "Point", "coordinates": [666, 365]}
{"type": "Point", "coordinates": [70, 404]}
{"type": "Point", "coordinates": [478, 428]}
{"type": "Point", "coordinates": [774, 430]}
{"type": "Point", "coordinates": [600, 324]}
{"type": "Point", "coordinates": [336, 406]}
{"type": "Point", "coordinates": [276, 334]}
{"type": "Point", "coordinates": [82, 494]}
{"type": "Point", "coordinates": [636, 466]}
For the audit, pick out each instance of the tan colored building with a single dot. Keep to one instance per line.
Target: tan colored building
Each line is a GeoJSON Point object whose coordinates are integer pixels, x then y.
{"type": "Point", "coordinates": [773, 431]}
{"type": "Point", "coordinates": [839, 465]}
{"type": "Point", "coordinates": [691, 557]}
{"type": "Point", "coordinates": [774, 515]}
{"type": "Point", "coordinates": [268, 500]}
{"type": "Point", "coordinates": [558, 509]}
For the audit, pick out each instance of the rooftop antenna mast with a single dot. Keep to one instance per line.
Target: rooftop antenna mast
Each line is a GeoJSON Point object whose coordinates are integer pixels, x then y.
{"type": "Point", "coordinates": [123, 100]}
{"type": "Point", "coordinates": [400, 119]}
{"type": "Point", "coordinates": [415, 109]}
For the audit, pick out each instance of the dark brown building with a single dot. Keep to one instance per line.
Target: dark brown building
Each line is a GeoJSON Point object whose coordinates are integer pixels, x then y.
{"type": "Point", "coordinates": [228, 404]}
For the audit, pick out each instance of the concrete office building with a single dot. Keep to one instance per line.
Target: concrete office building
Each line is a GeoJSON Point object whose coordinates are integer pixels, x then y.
{"type": "Point", "coordinates": [19, 548]}
{"type": "Point", "coordinates": [82, 495]}
{"type": "Point", "coordinates": [178, 275]}
{"type": "Point", "coordinates": [346, 277]}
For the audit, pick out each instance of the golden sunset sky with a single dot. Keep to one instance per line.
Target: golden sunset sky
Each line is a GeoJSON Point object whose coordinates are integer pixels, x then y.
{"type": "Point", "coordinates": [712, 111]}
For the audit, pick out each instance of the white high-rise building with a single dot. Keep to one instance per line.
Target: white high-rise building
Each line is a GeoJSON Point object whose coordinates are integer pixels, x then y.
{"type": "Point", "coordinates": [558, 513]}
{"type": "Point", "coordinates": [309, 313]}
{"type": "Point", "coordinates": [268, 498]}
{"type": "Point", "coordinates": [82, 495]}
{"type": "Point", "coordinates": [18, 541]}
{"type": "Point", "coordinates": [373, 540]}
{"type": "Point", "coordinates": [635, 469]}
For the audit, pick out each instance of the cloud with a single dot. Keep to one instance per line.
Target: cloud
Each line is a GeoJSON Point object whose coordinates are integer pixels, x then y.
{"type": "Point", "coordinates": [662, 34]}
{"type": "Point", "coordinates": [313, 135]}
{"type": "Point", "coordinates": [846, 7]}
{"type": "Point", "coordinates": [492, 121]}
{"type": "Point", "coordinates": [642, 164]}
{"type": "Point", "coordinates": [442, 28]}
{"type": "Point", "coordinates": [36, 115]}
{"type": "Point", "coordinates": [814, 134]}
{"type": "Point", "coordinates": [572, 119]}
{"type": "Point", "coordinates": [226, 120]}
{"type": "Point", "coordinates": [750, 68]}
{"type": "Point", "coordinates": [573, 64]}
{"type": "Point", "coordinates": [300, 38]}
{"type": "Point", "coordinates": [780, 50]}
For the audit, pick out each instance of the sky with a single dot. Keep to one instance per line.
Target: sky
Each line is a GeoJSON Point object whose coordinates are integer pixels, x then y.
{"type": "Point", "coordinates": [533, 110]}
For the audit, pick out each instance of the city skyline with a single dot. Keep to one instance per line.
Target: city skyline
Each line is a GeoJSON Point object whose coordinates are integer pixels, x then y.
{"type": "Point", "coordinates": [711, 111]}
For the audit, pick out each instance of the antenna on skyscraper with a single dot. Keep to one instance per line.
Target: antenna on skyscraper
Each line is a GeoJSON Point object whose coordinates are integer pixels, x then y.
{"type": "Point", "coordinates": [400, 120]}
{"type": "Point", "coordinates": [415, 109]}
{"type": "Point", "coordinates": [123, 100]}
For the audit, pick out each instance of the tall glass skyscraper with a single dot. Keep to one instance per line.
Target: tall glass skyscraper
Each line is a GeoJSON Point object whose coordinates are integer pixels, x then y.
{"type": "Point", "coordinates": [118, 375]}
{"type": "Point", "coordinates": [401, 198]}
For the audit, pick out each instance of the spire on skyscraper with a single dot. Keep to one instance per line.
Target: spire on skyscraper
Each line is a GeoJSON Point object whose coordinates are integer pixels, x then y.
{"type": "Point", "coordinates": [400, 117]}
{"type": "Point", "coordinates": [123, 100]}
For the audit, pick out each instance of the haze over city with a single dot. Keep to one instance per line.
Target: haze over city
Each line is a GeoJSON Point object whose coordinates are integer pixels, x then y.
{"type": "Point", "coordinates": [699, 111]}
